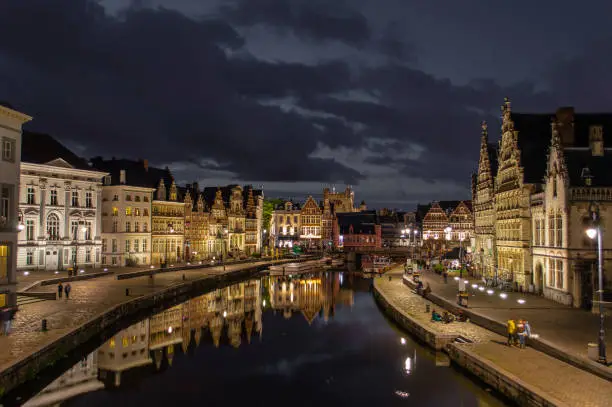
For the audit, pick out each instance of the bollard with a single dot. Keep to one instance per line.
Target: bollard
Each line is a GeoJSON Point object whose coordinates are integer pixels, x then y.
{"type": "Point", "coordinates": [127, 292]}
{"type": "Point", "coordinates": [427, 308]}
{"type": "Point", "coordinates": [389, 278]}
{"type": "Point", "coordinates": [183, 277]}
{"type": "Point", "coordinates": [44, 325]}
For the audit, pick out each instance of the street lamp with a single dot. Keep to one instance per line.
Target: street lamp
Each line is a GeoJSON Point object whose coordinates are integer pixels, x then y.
{"type": "Point", "coordinates": [593, 232]}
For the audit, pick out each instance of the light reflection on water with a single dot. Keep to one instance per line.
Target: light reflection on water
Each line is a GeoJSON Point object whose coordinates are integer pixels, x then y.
{"type": "Point", "coordinates": [325, 340]}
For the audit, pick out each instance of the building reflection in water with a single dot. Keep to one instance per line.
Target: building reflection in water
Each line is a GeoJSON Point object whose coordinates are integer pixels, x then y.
{"type": "Point", "coordinates": [227, 316]}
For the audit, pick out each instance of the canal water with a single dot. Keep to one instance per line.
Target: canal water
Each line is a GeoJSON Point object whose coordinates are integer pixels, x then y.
{"type": "Point", "coordinates": [316, 340]}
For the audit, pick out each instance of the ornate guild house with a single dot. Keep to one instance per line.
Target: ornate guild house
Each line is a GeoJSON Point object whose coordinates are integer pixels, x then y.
{"type": "Point", "coordinates": [532, 211]}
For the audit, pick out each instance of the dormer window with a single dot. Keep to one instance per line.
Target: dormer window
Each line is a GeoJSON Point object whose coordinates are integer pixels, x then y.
{"type": "Point", "coordinates": [586, 176]}
{"type": "Point", "coordinates": [554, 186]}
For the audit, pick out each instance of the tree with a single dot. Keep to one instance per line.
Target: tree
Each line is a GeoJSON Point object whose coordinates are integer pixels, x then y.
{"type": "Point", "coordinates": [269, 206]}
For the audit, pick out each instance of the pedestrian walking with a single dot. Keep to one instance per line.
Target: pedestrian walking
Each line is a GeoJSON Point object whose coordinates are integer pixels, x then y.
{"type": "Point", "coordinates": [521, 333]}
{"type": "Point", "coordinates": [445, 275]}
{"type": "Point", "coordinates": [60, 290]}
{"type": "Point", "coordinates": [511, 328]}
{"type": "Point", "coordinates": [67, 289]}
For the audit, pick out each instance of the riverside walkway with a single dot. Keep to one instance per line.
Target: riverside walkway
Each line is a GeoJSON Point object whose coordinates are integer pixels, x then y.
{"type": "Point", "coordinates": [569, 329]}
{"type": "Point", "coordinates": [88, 299]}
{"type": "Point", "coordinates": [558, 382]}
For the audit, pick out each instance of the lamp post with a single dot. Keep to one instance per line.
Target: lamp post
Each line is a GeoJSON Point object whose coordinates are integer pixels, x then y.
{"type": "Point", "coordinates": [482, 271]}
{"type": "Point", "coordinates": [595, 232]}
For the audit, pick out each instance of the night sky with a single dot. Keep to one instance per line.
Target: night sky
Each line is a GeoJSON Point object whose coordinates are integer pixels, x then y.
{"type": "Point", "coordinates": [385, 95]}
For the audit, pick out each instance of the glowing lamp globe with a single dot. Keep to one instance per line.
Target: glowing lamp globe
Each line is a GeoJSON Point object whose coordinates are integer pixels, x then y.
{"type": "Point", "coordinates": [591, 233]}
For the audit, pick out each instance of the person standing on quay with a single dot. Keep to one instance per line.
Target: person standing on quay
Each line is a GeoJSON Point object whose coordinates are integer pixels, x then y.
{"type": "Point", "coordinates": [511, 332]}
{"type": "Point", "coordinates": [60, 290]}
{"type": "Point", "coordinates": [67, 289]}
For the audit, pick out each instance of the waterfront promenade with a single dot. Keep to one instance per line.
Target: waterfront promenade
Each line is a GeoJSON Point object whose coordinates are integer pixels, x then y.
{"type": "Point", "coordinates": [88, 299]}
{"type": "Point", "coordinates": [568, 329]}
{"type": "Point", "coordinates": [542, 375]}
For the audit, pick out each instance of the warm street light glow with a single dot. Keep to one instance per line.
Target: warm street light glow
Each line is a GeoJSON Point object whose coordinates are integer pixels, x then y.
{"type": "Point", "coordinates": [465, 282]}
{"type": "Point", "coordinates": [481, 288]}
{"type": "Point", "coordinates": [503, 296]}
{"type": "Point", "coordinates": [490, 292]}
{"type": "Point", "coordinates": [26, 273]}
{"type": "Point", "coordinates": [403, 341]}
{"type": "Point", "coordinates": [591, 233]}
{"type": "Point", "coordinates": [456, 278]}
{"type": "Point", "coordinates": [448, 229]}
{"type": "Point", "coordinates": [520, 301]}
{"type": "Point", "coordinates": [169, 329]}
{"type": "Point", "coordinates": [20, 227]}
{"type": "Point", "coordinates": [224, 314]}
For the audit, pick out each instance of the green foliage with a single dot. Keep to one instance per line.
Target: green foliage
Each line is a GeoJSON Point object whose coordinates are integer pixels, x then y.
{"type": "Point", "coordinates": [438, 268]}
{"type": "Point", "coordinates": [268, 207]}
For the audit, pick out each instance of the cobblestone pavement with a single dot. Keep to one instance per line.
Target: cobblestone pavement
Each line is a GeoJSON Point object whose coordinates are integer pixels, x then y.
{"type": "Point", "coordinates": [553, 377]}
{"type": "Point", "coordinates": [569, 329]}
{"type": "Point", "coordinates": [88, 298]}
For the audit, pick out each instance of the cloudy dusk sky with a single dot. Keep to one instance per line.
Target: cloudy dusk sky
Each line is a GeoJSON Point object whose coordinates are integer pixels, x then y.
{"type": "Point", "coordinates": [296, 95]}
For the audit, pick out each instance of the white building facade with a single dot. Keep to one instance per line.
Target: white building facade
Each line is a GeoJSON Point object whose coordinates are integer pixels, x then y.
{"type": "Point", "coordinates": [126, 224]}
{"type": "Point", "coordinates": [60, 217]}
{"type": "Point", "coordinates": [11, 122]}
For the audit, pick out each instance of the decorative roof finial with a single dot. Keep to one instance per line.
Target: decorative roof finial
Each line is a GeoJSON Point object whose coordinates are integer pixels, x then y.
{"type": "Point", "coordinates": [554, 127]}
{"type": "Point", "coordinates": [507, 105]}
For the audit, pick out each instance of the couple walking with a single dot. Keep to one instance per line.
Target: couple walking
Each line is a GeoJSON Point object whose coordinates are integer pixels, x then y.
{"type": "Point", "coordinates": [518, 332]}
{"type": "Point", "coordinates": [64, 289]}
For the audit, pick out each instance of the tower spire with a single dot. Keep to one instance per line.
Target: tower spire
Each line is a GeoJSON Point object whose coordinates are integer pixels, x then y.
{"type": "Point", "coordinates": [556, 138]}
{"type": "Point", "coordinates": [484, 139]}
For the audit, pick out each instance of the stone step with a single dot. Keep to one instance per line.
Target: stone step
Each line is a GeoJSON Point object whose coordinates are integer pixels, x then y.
{"type": "Point", "coordinates": [23, 300]}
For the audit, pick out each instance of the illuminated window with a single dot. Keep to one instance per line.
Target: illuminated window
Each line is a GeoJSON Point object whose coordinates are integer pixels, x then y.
{"type": "Point", "coordinates": [134, 339]}
{"type": "Point", "coordinates": [112, 343]}
{"type": "Point", "coordinates": [115, 211]}
{"type": "Point", "coordinates": [53, 197]}
{"type": "Point", "coordinates": [125, 342]}
{"type": "Point", "coordinates": [128, 211]}
{"type": "Point", "coordinates": [137, 212]}
{"type": "Point", "coordinates": [4, 260]}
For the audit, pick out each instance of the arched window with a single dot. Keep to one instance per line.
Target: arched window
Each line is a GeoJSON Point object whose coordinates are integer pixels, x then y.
{"type": "Point", "coordinates": [53, 227]}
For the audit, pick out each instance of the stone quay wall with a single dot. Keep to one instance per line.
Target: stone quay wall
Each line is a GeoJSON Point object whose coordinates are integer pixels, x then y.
{"type": "Point", "coordinates": [497, 378]}
{"type": "Point", "coordinates": [28, 367]}
{"type": "Point", "coordinates": [499, 328]}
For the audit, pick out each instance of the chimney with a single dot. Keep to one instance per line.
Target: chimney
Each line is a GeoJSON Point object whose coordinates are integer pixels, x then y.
{"type": "Point", "coordinates": [596, 142]}
{"type": "Point", "coordinates": [122, 177]}
{"type": "Point", "coordinates": [565, 120]}
{"type": "Point", "coordinates": [145, 163]}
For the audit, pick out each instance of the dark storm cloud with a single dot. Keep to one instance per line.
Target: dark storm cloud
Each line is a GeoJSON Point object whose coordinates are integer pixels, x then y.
{"type": "Point", "coordinates": [318, 20]}
{"type": "Point", "coordinates": [586, 79]}
{"type": "Point", "coordinates": [158, 84]}
{"type": "Point", "coordinates": [264, 79]}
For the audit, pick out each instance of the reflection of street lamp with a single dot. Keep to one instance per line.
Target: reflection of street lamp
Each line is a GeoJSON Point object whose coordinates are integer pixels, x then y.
{"type": "Point", "coordinates": [170, 230]}
{"type": "Point", "coordinates": [594, 231]}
